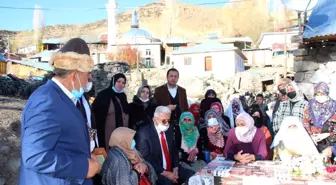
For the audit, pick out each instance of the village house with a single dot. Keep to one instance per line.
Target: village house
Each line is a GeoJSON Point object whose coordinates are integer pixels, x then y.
{"type": "Point", "coordinates": [209, 58]}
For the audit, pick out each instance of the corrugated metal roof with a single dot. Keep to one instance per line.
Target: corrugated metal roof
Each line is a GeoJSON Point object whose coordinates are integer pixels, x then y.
{"type": "Point", "coordinates": [322, 20]}
{"type": "Point", "coordinates": [44, 54]}
{"type": "Point", "coordinates": [210, 46]}
{"type": "Point", "coordinates": [38, 65]}
{"type": "Point", "coordinates": [177, 40]}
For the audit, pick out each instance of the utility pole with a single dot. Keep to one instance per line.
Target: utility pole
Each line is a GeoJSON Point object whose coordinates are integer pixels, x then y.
{"type": "Point", "coordinates": [285, 46]}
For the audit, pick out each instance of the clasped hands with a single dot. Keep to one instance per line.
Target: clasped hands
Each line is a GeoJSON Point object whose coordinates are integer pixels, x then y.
{"type": "Point", "coordinates": [192, 155]}
{"type": "Point", "coordinates": [244, 158]}
{"type": "Point", "coordinates": [173, 176]}
{"type": "Point", "coordinates": [141, 168]}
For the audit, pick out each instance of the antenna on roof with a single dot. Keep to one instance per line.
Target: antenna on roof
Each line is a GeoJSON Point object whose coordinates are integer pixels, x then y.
{"type": "Point", "coordinates": [301, 7]}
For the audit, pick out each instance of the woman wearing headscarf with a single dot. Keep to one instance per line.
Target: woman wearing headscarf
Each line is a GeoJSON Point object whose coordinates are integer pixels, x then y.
{"type": "Point", "coordinates": [320, 116]}
{"type": "Point", "coordinates": [212, 133]}
{"type": "Point", "coordinates": [233, 110]}
{"type": "Point", "coordinates": [216, 106]}
{"type": "Point", "coordinates": [259, 122]}
{"type": "Point", "coordinates": [111, 109]}
{"type": "Point", "coordinates": [209, 98]}
{"type": "Point", "coordinates": [195, 110]}
{"type": "Point", "coordinates": [124, 165]}
{"type": "Point", "coordinates": [292, 140]}
{"type": "Point", "coordinates": [142, 108]}
{"type": "Point", "coordinates": [245, 143]}
{"type": "Point", "coordinates": [294, 106]}
{"type": "Point", "coordinates": [189, 144]}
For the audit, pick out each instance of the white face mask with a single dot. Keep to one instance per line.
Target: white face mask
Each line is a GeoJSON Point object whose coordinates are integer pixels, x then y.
{"type": "Point", "coordinates": [92, 145]}
{"type": "Point", "coordinates": [146, 100]}
{"type": "Point", "coordinates": [162, 128]}
{"type": "Point", "coordinates": [242, 130]}
{"type": "Point", "coordinates": [321, 99]}
{"type": "Point", "coordinates": [88, 87]}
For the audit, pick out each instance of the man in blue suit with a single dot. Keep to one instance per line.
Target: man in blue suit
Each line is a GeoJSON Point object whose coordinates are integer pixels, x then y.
{"type": "Point", "coordinates": [55, 135]}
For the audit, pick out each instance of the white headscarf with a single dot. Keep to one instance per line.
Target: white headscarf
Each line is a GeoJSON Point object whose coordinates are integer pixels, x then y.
{"type": "Point", "coordinates": [299, 94]}
{"type": "Point", "coordinates": [297, 140]}
{"type": "Point", "coordinates": [229, 112]}
{"type": "Point", "coordinates": [245, 134]}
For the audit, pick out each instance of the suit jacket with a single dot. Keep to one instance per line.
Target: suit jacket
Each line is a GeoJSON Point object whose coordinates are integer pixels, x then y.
{"type": "Point", "coordinates": [54, 140]}
{"type": "Point", "coordinates": [148, 144]}
{"type": "Point", "coordinates": [162, 97]}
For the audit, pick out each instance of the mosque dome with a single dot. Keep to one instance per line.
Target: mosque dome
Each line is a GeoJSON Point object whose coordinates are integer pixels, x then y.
{"type": "Point", "coordinates": [136, 34]}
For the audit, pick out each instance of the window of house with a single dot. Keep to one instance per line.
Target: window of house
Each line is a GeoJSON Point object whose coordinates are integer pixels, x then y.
{"type": "Point", "coordinates": [168, 60]}
{"type": "Point", "coordinates": [175, 47]}
{"type": "Point", "coordinates": [187, 61]}
{"type": "Point", "coordinates": [148, 52]}
{"type": "Point", "coordinates": [148, 63]}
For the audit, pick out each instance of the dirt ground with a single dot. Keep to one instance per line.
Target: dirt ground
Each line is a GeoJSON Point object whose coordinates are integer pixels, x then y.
{"type": "Point", "coordinates": [10, 151]}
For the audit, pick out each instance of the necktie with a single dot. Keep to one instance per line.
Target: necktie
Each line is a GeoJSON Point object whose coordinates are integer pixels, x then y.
{"type": "Point", "coordinates": [81, 108]}
{"type": "Point", "coordinates": [165, 151]}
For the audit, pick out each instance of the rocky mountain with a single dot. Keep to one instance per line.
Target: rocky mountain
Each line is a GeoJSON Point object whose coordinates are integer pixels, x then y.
{"type": "Point", "coordinates": [247, 18]}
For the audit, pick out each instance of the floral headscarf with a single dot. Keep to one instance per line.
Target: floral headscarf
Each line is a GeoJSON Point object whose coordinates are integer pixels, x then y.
{"type": "Point", "coordinates": [320, 113]}
{"type": "Point", "coordinates": [195, 110]}
{"type": "Point", "coordinates": [249, 123]}
{"type": "Point", "coordinates": [217, 139]}
{"type": "Point", "coordinates": [234, 109]}
{"type": "Point", "coordinates": [189, 132]}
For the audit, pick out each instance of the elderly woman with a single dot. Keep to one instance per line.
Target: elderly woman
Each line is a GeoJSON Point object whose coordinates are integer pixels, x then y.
{"type": "Point", "coordinates": [233, 110]}
{"type": "Point", "coordinates": [124, 165]}
{"type": "Point", "coordinates": [245, 143]}
{"type": "Point", "coordinates": [189, 144]}
{"type": "Point", "coordinates": [142, 108]}
{"type": "Point", "coordinates": [320, 116]}
{"type": "Point", "coordinates": [111, 109]}
{"type": "Point", "coordinates": [294, 106]}
{"type": "Point", "coordinates": [292, 140]}
{"type": "Point", "coordinates": [212, 134]}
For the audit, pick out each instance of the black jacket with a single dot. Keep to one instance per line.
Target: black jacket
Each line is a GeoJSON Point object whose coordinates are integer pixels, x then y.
{"type": "Point", "coordinates": [139, 115]}
{"type": "Point", "coordinates": [148, 144]}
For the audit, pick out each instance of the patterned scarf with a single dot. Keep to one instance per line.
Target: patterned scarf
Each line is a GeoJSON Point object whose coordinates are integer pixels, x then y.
{"type": "Point", "coordinates": [195, 110]}
{"type": "Point", "coordinates": [320, 113]}
{"type": "Point", "coordinates": [189, 131]}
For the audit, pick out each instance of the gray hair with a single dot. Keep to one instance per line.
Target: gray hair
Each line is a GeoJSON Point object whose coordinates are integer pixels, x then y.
{"type": "Point", "coordinates": [62, 73]}
{"type": "Point", "coordinates": [161, 109]}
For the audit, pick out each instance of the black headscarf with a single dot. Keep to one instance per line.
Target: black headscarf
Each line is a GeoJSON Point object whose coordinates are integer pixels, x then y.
{"type": "Point", "coordinates": [258, 121]}
{"type": "Point", "coordinates": [101, 106]}
{"type": "Point", "coordinates": [206, 103]}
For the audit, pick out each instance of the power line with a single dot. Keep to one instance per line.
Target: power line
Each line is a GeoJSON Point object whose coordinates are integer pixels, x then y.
{"type": "Point", "coordinates": [126, 7]}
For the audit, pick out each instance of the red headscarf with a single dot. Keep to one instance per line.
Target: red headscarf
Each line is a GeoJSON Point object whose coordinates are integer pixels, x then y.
{"type": "Point", "coordinates": [195, 110]}
{"type": "Point", "coordinates": [219, 105]}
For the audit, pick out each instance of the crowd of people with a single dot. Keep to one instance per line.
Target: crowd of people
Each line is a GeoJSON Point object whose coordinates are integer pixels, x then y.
{"type": "Point", "coordinates": [158, 138]}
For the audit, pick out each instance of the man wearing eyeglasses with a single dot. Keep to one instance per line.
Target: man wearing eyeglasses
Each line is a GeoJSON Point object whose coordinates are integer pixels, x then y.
{"type": "Point", "coordinates": [155, 143]}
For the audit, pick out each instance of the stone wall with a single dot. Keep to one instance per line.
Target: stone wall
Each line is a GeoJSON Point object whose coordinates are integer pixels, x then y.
{"type": "Point", "coordinates": [23, 71]}
{"type": "Point", "coordinates": [103, 73]}
{"type": "Point", "coordinates": [314, 62]}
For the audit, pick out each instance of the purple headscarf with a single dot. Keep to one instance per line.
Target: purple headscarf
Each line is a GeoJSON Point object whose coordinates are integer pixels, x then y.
{"type": "Point", "coordinates": [320, 113]}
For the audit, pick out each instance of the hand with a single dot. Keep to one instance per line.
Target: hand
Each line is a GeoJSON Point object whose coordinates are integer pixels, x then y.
{"type": "Point", "coordinates": [141, 168]}
{"type": "Point", "coordinates": [172, 107]}
{"type": "Point", "coordinates": [175, 172]}
{"type": "Point", "coordinates": [94, 157]}
{"type": "Point", "coordinates": [94, 168]}
{"type": "Point", "coordinates": [241, 157]}
{"type": "Point", "coordinates": [170, 176]}
{"type": "Point", "coordinates": [192, 155]}
{"type": "Point", "coordinates": [248, 159]}
{"type": "Point", "coordinates": [213, 155]}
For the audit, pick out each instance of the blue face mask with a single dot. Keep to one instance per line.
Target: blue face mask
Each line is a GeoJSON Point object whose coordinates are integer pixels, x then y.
{"type": "Point", "coordinates": [77, 94]}
{"type": "Point", "coordinates": [115, 90]}
{"type": "Point", "coordinates": [133, 145]}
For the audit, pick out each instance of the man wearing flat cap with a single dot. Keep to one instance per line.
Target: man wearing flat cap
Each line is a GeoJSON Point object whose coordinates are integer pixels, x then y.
{"type": "Point", "coordinates": [55, 136]}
